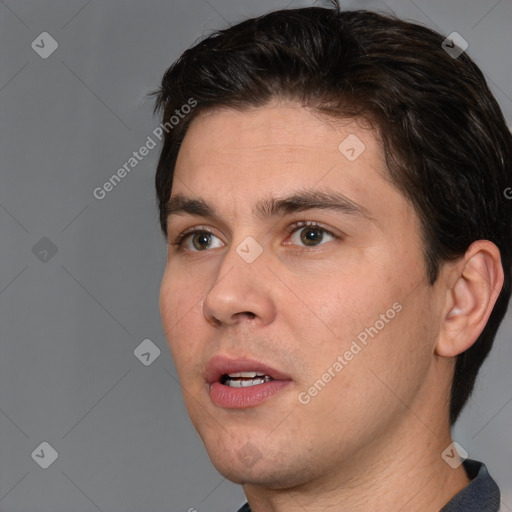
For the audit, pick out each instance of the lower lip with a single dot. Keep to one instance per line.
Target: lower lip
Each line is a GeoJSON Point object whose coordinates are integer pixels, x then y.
{"type": "Point", "coordinates": [241, 398]}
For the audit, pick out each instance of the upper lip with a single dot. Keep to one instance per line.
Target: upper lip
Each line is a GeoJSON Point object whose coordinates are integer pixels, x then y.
{"type": "Point", "coordinates": [221, 365]}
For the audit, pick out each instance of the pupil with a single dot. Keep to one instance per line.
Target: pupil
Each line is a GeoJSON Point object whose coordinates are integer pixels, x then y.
{"type": "Point", "coordinates": [311, 235]}
{"type": "Point", "coordinates": [202, 240]}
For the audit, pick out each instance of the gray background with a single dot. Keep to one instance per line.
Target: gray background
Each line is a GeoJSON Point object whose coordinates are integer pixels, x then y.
{"type": "Point", "coordinates": [70, 321]}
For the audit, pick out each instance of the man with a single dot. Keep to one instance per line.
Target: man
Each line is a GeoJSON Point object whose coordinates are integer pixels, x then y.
{"type": "Point", "coordinates": [331, 186]}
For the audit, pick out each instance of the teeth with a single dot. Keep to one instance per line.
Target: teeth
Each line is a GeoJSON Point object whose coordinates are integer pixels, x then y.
{"type": "Point", "coordinates": [247, 383]}
{"type": "Point", "coordinates": [249, 375]}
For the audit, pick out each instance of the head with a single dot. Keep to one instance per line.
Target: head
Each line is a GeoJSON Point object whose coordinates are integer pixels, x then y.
{"type": "Point", "coordinates": [424, 238]}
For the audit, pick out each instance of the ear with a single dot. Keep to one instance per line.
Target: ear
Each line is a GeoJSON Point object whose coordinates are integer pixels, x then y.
{"type": "Point", "coordinates": [475, 282]}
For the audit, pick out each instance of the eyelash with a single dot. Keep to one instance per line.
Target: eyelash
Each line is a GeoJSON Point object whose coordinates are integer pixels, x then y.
{"type": "Point", "coordinates": [178, 242]}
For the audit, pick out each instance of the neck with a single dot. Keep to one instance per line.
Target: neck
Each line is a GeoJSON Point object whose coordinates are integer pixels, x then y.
{"type": "Point", "coordinates": [400, 471]}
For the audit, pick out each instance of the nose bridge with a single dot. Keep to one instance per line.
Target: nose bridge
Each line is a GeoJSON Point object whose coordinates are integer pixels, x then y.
{"type": "Point", "coordinates": [241, 263]}
{"type": "Point", "coordinates": [239, 287]}
{"type": "Point", "coordinates": [244, 256]}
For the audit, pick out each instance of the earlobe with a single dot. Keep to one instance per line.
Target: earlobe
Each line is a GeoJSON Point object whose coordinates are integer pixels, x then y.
{"type": "Point", "coordinates": [476, 280]}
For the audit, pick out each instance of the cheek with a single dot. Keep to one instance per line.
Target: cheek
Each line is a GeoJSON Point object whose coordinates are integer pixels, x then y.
{"type": "Point", "coordinates": [169, 302]}
{"type": "Point", "coordinates": [371, 321]}
{"type": "Point", "coordinates": [398, 350]}
{"type": "Point", "coordinates": [180, 305]}
{"type": "Point", "coordinates": [342, 305]}
{"type": "Point", "coordinates": [372, 381]}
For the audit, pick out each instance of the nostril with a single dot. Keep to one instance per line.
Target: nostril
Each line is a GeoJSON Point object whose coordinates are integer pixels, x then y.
{"type": "Point", "coordinates": [215, 322]}
{"type": "Point", "coordinates": [241, 314]}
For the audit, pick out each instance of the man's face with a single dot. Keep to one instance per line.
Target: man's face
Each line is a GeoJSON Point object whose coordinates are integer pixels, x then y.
{"type": "Point", "coordinates": [294, 299]}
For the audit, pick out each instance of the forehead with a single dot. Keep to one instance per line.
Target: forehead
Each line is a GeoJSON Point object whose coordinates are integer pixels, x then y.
{"type": "Point", "coordinates": [275, 146]}
{"type": "Point", "coordinates": [283, 125]}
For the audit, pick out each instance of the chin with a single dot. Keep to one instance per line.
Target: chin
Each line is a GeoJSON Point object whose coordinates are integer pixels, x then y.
{"type": "Point", "coordinates": [248, 466]}
{"type": "Point", "coordinates": [269, 477]}
{"type": "Point", "coordinates": [261, 473]}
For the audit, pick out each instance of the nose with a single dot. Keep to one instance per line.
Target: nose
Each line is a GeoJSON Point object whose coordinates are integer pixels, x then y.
{"type": "Point", "coordinates": [241, 292]}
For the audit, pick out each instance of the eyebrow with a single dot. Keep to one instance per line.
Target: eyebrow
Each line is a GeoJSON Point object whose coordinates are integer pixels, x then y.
{"type": "Point", "coordinates": [180, 204]}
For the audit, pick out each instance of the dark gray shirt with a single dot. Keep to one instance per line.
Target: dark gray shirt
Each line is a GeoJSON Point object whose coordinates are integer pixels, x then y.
{"type": "Point", "coordinates": [480, 495]}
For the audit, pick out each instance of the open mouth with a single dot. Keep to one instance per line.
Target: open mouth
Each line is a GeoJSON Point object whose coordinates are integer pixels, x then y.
{"type": "Point", "coordinates": [242, 383]}
{"type": "Point", "coordinates": [244, 379]}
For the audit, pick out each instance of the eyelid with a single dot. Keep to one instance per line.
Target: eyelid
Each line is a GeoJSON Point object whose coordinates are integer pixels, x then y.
{"type": "Point", "coordinates": [301, 224]}
{"type": "Point", "coordinates": [180, 238]}
{"type": "Point", "coordinates": [191, 229]}
{"type": "Point", "coordinates": [292, 228]}
{"type": "Point", "coordinates": [307, 224]}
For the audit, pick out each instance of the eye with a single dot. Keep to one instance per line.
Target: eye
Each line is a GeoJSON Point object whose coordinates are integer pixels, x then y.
{"type": "Point", "coordinates": [199, 239]}
{"type": "Point", "coordinates": [310, 234]}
